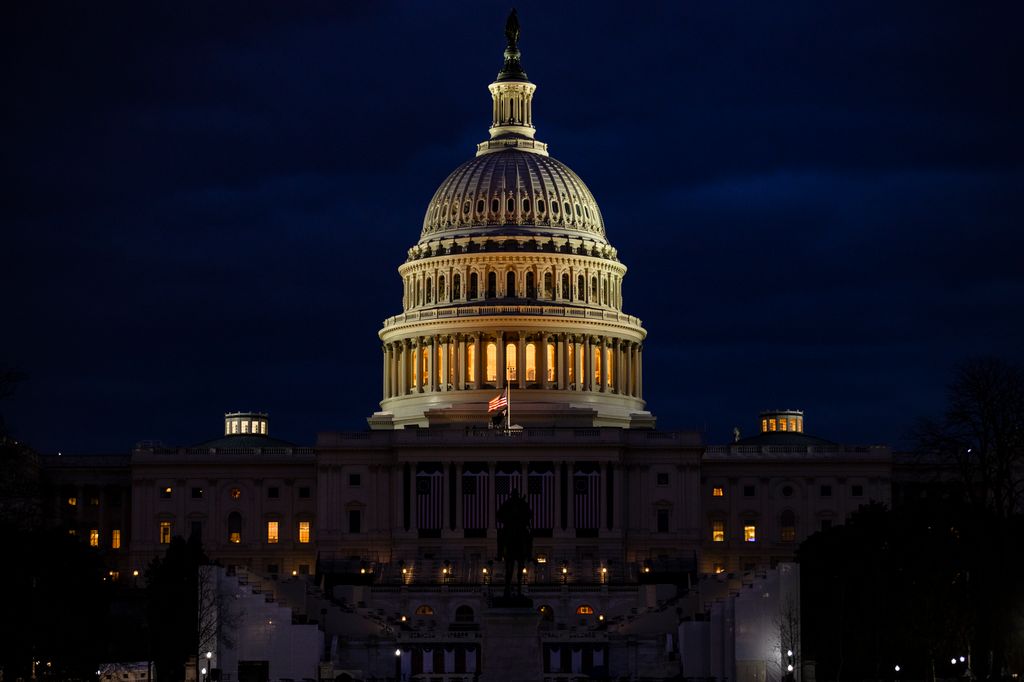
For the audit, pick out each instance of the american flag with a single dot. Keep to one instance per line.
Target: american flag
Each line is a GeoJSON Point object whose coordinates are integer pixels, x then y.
{"type": "Point", "coordinates": [587, 499]}
{"type": "Point", "coordinates": [429, 499]}
{"type": "Point", "coordinates": [499, 403]}
{"type": "Point", "coordinates": [504, 482]}
{"type": "Point", "coordinates": [540, 493]}
{"type": "Point", "coordinates": [474, 499]}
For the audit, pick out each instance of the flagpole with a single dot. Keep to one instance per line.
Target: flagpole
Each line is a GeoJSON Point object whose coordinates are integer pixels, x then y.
{"type": "Point", "coordinates": [508, 406]}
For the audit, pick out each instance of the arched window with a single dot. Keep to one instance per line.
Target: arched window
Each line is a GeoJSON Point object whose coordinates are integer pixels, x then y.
{"type": "Point", "coordinates": [440, 288]}
{"type": "Point", "coordinates": [471, 362]}
{"type": "Point", "coordinates": [593, 289]}
{"type": "Point", "coordinates": [425, 367]}
{"type": "Point", "coordinates": [464, 614]}
{"type": "Point", "coordinates": [465, 208]}
{"type": "Point", "coordinates": [554, 207]}
{"type": "Point", "coordinates": [549, 285]}
{"type": "Point", "coordinates": [787, 526]}
{"type": "Point", "coordinates": [597, 367]}
{"type": "Point", "coordinates": [546, 612]}
{"type": "Point", "coordinates": [424, 610]}
{"type": "Point", "coordinates": [526, 205]}
{"type": "Point", "coordinates": [604, 291]}
{"type": "Point", "coordinates": [531, 362]}
{"type": "Point", "coordinates": [510, 285]}
{"type": "Point", "coordinates": [492, 285]}
{"type": "Point", "coordinates": [531, 287]}
{"type": "Point", "coordinates": [234, 528]}
{"type": "Point", "coordinates": [572, 363]}
{"type": "Point", "coordinates": [581, 287]}
{"type": "Point", "coordinates": [491, 375]}
{"type": "Point", "coordinates": [428, 287]}
{"type": "Point", "coordinates": [608, 366]}
{"type": "Point", "coordinates": [540, 205]}
{"type": "Point", "coordinates": [565, 287]}
{"type": "Point", "coordinates": [418, 300]}
{"type": "Point", "coordinates": [551, 362]}
{"type": "Point", "coordinates": [584, 610]}
{"type": "Point", "coordinates": [480, 206]}
{"type": "Point", "coordinates": [494, 205]}
{"type": "Point", "coordinates": [510, 362]}
{"type": "Point", "coordinates": [456, 287]}
{"type": "Point", "coordinates": [510, 205]}
{"type": "Point", "coordinates": [474, 286]}
{"type": "Point", "coordinates": [568, 210]}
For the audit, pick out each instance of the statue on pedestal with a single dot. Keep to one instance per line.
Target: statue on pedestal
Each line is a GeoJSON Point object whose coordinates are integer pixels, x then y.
{"type": "Point", "coordinates": [515, 543]}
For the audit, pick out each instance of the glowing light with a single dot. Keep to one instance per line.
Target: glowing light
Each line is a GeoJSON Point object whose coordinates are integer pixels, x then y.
{"type": "Point", "coordinates": [789, 668]}
{"type": "Point", "coordinates": [604, 569]}
{"type": "Point", "coordinates": [485, 570]}
{"type": "Point", "coordinates": [601, 617]}
{"type": "Point", "coordinates": [203, 671]}
{"type": "Point", "coordinates": [953, 661]}
{"type": "Point", "coordinates": [789, 652]}
{"type": "Point", "coordinates": [294, 573]}
{"type": "Point", "coordinates": [962, 659]}
{"type": "Point", "coordinates": [406, 570]}
{"type": "Point", "coordinates": [135, 573]}
{"type": "Point", "coordinates": [209, 655]}
{"type": "Point", "coordinates": [896, 668]}
{"type": "Point", "coordinates": [398, 652]}
{"type": "Point", "coordinates": [362, 571]}
{"type": "Point", "coordinates": [564, 570]}
{"type": "Point", "coordinates": [404, 618]}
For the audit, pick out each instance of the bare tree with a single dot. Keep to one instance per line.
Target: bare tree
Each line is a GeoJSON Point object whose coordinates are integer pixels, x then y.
{"type": "Point", "coordinates": [217, 620]}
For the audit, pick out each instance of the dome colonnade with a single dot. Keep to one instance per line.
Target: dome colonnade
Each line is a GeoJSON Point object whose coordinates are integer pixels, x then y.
{"type": "Point", "coordinates": [513, 283]}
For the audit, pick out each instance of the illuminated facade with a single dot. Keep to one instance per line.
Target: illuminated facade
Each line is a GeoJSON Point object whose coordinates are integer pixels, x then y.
{"type": "Point", "coordinates": [513, 282]}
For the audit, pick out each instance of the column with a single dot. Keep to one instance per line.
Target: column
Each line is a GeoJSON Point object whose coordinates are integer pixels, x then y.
{"type": "Point", "coordinates": [432, 364]}
{"type": "Point", "coordinates": [445, 371]}
{"type": "Point", "coordinates": [417, 366]}
{"type": "Point", "coordinates": [588, 364]}
{"type": "Point", "coordinates": [491, 528]}
{"type": "Point", "coordinates": [460, 364]}
{"type": "Point", "coordinates": [640, 372]}
{"type": "Point", "coordinates": [501, 359]}
{"type": "Point", "coordinates": [562, 364]}
{"type": "Point", "coordinates": [603, 346]}
{"type": "Point", "coordinates": [387, 366]}
{"type": "Point", "coordinates": [477, 361]}
{"type": "Point", "coordinates": [521, 360]}
{"type": "Point", "coordinates": [542, 361]}
{"type": "Point", "coordinates": [458, 497]}
{"type": "Point", "coordinates": [401, 357]}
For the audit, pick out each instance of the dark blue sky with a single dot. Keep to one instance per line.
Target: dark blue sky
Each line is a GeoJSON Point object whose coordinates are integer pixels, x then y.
{"type": "Point", "coordinates": [204, 204]}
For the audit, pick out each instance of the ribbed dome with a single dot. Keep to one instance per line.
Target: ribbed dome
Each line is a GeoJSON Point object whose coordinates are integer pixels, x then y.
{"type": "Point", "coordinates": [512, 188]}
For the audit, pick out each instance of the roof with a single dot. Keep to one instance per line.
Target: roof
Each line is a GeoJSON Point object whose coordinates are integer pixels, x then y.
{"type": "Point", "coordinates": [245, 440]}
{"type": "Point", "coordinates": [790, 438]}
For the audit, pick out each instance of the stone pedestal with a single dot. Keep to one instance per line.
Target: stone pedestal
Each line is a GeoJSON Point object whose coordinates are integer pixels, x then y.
{"type": "Point", "coordinates": [511, 646]}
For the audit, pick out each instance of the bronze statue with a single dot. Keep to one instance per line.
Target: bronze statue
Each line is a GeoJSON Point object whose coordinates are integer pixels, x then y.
{"type": "Point", "coordinates": [512, 29]}
{"type": "Point", "coordinates": [515, 543]}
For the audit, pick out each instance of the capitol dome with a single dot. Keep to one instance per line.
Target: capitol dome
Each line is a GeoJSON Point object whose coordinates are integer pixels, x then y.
{"type": "Point", "coordinates": [512, 287]}
{"type": "Point", "coordinates": [511, 188]}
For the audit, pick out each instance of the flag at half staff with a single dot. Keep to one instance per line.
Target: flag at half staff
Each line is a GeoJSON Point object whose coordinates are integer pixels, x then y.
{"type": "Point", "coordinates": [498, 403]}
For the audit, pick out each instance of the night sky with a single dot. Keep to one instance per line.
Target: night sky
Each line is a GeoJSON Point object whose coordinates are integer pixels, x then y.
{"type": "Point", "coordinates": [204, 204]}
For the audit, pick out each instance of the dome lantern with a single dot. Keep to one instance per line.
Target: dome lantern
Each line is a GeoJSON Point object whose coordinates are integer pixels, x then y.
{"type": "Point", "coordinates": [512, 102]}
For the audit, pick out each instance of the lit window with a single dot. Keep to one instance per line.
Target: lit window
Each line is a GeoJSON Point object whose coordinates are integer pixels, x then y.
{"type": "Point", "coordinates": [764, 425]}
{"type": "Point", "coordinates": [72, 501]}
{"type": "Point", "coordinates": [245, 427]}
{"type": "Point", "coordinates": [749, 532]}
{"type": "Point", "coordinates": [234, 427]}
{"type": "Point", "coordinates": [263, 428]}
{"type": "Point", "coordinates": [492, 363]}
{"type": "Point", "coordinates": [236, 493]}
{"type": "Point", "coordinates": [115, 575]}
{"type": "Point", "coordinates": [584, 610]}
{"type": "Point", "coordinates": [551, 362]}
{"type": "Point", "coordinates": [165, 532]}
{"type": "Point", "coordinates": [717, 491]}
{"type": "Point", "coordinates": [718, 531]}
{"type": "Point", "coordinates": [719, 568]}
{"type": "Point", "coordinates": [72, 532]}
{"type": "Point", "coordinates": [800, 424]}
{"type": "Point", "coordinates": [792, 424]}
{"type": "Point", "coordinates": [303, 532]}
{"type": "Point", "coordinates": [597, 366]}
{"type": "Point", "coordinates": [94, 537]}
{"type": "Point", "coordinates": [771, 424]}
{"type": "Point", "coordinates": [788, 534]}
{"type": "Point", "coordinates": [115, 538]}
{"type": "Point", "coordinates": [531, 362]}
{"type": "Point", "coordinates": [272, 532]}
{"type": "Point", "coordinates": [235, 528]}
{"type": "Point", "coordinates": [471, 362]}
{"type": "Point", "coordinates": [782, 425]}
{"type": "Point", "coordinates": [424, 610]}
{"type": "Point", "coordinates": [166, 491]}
{"type": "Point", "coordinates": [510, 361]}
{"type": "Point", "coordinates": [608, 366]}
{"type": "Point", "coordinates": [94, 501]}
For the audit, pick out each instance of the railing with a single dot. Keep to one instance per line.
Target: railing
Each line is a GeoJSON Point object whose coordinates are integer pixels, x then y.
{"type": "Point", "coordinates": [275, 451]}
{"type": "Point", "coordinates": [532, 310]}
{"type": "Point", "coordinates": [471, 436]}
{"type": "Point", "coordinates": [739, 451]}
